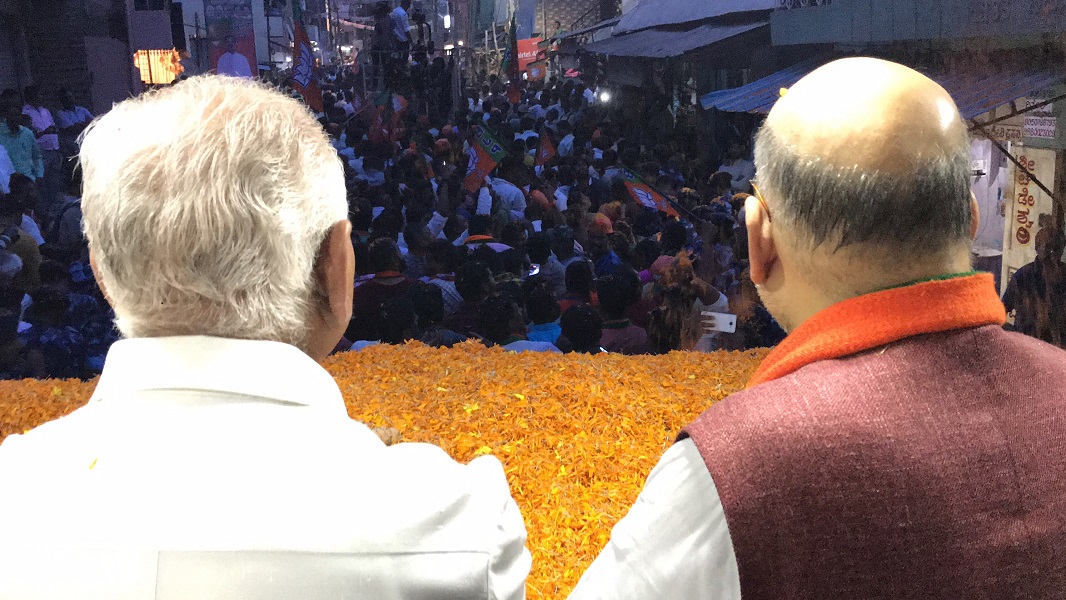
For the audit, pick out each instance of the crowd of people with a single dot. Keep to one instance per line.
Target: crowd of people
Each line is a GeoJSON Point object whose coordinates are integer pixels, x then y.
{"type": "Point", "coordinates": [553, 255]}
{"type": "Point", "coordinates": [54, 321]}
{"type": "Point", "coordinates": [885, 449]}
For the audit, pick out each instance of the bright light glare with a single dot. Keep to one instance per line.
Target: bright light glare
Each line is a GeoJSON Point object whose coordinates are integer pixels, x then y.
{"type": "Point", "coordinates": [447, 21]}
{"type": "Point", "coordinates": [448, 47]}
{"type": "Point", "coordinates": [605, 97]}
{"type": "Point", "coordinates": [460, 42]}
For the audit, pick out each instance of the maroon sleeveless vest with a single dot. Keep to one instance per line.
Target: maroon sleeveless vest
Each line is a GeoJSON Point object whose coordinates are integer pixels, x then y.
{"type": "Point", "coordinates": [932, 468]}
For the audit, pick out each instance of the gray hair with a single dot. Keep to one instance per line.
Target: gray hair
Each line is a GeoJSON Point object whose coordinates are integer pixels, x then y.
{"type": "Point", "coordinates": [206, 205]}
{"type": "Point", "coordinates": [923, 210]}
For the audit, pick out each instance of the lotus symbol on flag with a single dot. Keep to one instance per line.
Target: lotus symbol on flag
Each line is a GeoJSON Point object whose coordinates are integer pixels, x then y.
{"type": "Point", "coordinates": [302, 74]}
{"type": "Point", "coordinates": [645, 197]}
{"type": "Point", "coordinates": [472, 164]}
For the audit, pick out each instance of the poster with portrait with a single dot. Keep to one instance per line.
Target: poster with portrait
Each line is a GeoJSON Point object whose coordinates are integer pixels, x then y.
{"type": "Point", "coordinates": [229, 27]}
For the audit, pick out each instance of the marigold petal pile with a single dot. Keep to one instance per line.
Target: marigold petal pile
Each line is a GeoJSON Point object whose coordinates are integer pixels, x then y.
{"type": "Point", "coordinates": [577, 434]}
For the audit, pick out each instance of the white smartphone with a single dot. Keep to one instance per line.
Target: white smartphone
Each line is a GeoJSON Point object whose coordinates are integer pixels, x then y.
{"type": "Point", "coordinates": [724, 322]}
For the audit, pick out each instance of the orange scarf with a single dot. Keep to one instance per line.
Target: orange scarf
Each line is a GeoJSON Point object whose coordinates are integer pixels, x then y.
{"type": "Point", "coordinates": [878, 319]}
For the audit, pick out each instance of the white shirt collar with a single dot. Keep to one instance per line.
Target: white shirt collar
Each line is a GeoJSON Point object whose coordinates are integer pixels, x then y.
{"type": "Point", "coordinates": [264, 369]}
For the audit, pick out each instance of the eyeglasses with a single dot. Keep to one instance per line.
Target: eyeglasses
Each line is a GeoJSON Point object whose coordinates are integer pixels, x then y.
{"type": "Point", "coordinates": [762, 201]}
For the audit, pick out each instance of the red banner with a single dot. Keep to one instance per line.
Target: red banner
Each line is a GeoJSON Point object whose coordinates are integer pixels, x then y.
{"type": "Point", "coordinates": [528, 51]}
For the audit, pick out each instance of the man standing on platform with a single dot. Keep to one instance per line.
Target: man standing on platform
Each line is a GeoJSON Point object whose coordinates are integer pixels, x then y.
{"type": "Point", "coordinates": [216, 458]}
{"type": "Point", "coordinates": [886, 449]}
{"type": "Point", "coordinates": [401, 30]}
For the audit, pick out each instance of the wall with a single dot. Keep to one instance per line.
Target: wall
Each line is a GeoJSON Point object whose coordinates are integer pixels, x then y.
{"type": "Point", "coordinates": [150, 29]}
{"type": "Point", "coordinates": [569, 11]}
{"type": "Point", "coordinates": [879, 21]}
{"type": "Point", "coordinates": [109, 85]}
{"type": "Point", "coordinates": [55, 45]}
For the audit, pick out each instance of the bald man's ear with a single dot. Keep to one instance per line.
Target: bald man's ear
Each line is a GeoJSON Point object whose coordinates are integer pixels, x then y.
{"type": "Point", "coordinates": [762, 248]}
{"type": "Point", "coordinates": [975, 217]}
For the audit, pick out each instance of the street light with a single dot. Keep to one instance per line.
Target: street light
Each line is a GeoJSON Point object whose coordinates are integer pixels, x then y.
{"type": "Point", "coordinates": [447, 21]}
{"type": "Point", "coordinates": [605, 97]}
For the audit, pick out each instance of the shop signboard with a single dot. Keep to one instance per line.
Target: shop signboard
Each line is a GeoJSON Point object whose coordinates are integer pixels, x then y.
{"type": "Point", "coordinates": [527, 52]}
{"type": "Point", "coordinates": [1005, 132]}
{"type": "Point", "coordinates": [1028, 209]}
{"type": "Point", "coordinates": [1043, 128]}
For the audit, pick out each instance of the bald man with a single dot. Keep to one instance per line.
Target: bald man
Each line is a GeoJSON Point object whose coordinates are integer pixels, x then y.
{"type": "Point", "coordinates": [885, 449]}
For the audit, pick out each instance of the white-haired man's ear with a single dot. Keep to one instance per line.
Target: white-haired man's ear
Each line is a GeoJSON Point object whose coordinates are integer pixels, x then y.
{"type": "Point", "coordinates": [96, 276]}
{"type": "Point", "coordinates": [335, 272]}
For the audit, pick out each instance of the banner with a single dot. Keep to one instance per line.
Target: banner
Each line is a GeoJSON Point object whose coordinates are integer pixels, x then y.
{"type": "Point", "coordinates": [1028, 210]}
{"type": "Point", "coordinates": [485, 153]}
{"type": "Point", "coordinates": [528, 51]}
{"type": "Point", "coordinates": [232, 35]}
{"type": "Point", "coordinates": [546, 151]}
{"type": "Point", "coordinates": [646, 195]}
{"type": "Point", "coordinates": [303, 63]}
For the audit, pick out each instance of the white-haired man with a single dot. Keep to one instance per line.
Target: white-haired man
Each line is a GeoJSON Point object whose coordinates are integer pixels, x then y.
{"type": "Point", "coordinates": [216, 458]}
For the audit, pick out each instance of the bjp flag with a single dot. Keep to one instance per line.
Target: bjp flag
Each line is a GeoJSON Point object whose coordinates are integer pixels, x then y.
{"type": "Point", "coordinates": [485, 153]}
{"type": "Point", "coordinates": [546, 150]}
{"type": "Point", "coordinates": [646, 195]}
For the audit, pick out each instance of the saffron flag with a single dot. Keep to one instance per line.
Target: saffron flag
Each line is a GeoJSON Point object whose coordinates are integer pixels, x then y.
{"type": "Point", "coordinates": [485, 153]}
{"type": "Point", "coordinates": [510, 65]}
{"type": "Point", "coordinates": [303, 63]}
{"type": "Point", "coordinates": [378, 119]}
{"type": "Point", "coordinates": [546, 151]}
{"type": "Point", "coordinates": [399, 109]}
{"type": "Point", "coordinates": [646, 195]}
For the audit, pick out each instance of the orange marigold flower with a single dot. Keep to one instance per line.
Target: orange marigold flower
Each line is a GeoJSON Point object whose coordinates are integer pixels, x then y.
{"type": "Point", "coordinates": [577, 434]}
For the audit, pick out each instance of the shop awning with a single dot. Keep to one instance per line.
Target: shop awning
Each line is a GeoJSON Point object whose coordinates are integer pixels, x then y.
{"type": "Point", "coordinates": [760, 96]}
{"type": "Point", "coordinates": [975, 94]}
{"type": "Point", "coordinates": [668, 43]}
{"type": "Point", "coordinates": [589, 29]}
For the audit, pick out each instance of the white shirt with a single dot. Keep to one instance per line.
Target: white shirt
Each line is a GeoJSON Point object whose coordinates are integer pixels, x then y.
{"type": "Point", "coordinates": [511, 194]}
{"type": "Point", "coordinates": [215, 468]}
{"type": "Point", "coordinates": [42, 119]}
{"type": "Point", "coordinates": [743, 171]}
{"type": "Point", "coordinates": [562, 197]}
{"type": "Point", "coordinates": [7, 169]}
{"type": "Point", "coordinates": [401, 25]}
{"type": "Point", "coordinates": [566, 145]}
{"type": "Point", "coordinates": [234, 64]}
{"type": "Point", "coordinates": [75, 116]}
{"type": "Point", "coordinates": [673, 543]}
{"type": "Point", "coordinates": [30, 227]}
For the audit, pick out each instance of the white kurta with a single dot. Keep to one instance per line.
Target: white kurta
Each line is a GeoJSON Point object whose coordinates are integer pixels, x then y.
{"type": "Point", "coordinates": [215, 468]}
{"type": "Point", "coordinates": [673, 543]}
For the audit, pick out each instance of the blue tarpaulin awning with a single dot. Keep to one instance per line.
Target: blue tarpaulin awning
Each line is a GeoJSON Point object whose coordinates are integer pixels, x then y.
{"type": "Point", "coordinates": [975, 94]}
